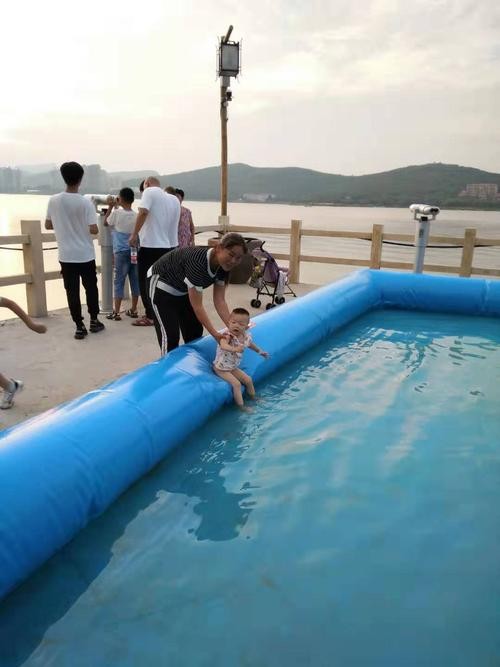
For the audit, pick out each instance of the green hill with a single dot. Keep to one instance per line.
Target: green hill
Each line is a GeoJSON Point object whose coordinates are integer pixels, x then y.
{"type": "Point", "coordinates": [434, 183]}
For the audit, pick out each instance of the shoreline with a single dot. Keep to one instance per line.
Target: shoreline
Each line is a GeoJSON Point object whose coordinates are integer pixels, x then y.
{"type": "Point", "coordinates": [491, 208]}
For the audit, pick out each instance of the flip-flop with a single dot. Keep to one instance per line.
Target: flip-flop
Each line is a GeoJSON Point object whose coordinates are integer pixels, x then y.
{"type": "Point", "coordinates": [143, 322]}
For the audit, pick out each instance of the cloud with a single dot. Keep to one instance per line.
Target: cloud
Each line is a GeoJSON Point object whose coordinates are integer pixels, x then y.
{"type": "Point", "coordinates": [137, 83]}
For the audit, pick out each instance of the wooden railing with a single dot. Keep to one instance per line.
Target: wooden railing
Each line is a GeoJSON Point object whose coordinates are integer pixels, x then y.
{"type": "Point", "coordinates": [35, 276]}
{"type": "Point", "coordinates": [377, 237]}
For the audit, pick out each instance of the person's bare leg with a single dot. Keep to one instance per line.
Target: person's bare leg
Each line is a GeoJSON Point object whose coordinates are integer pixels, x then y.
{"type": "Point", "coordinates": [135, 301]}
{"type": "Point", "coordinates": [229, 377]}
{"type": "Point", "coordinates": [246, 381]}
{"type": "Point", "coordinates": [4, 382]}
{"type": "Point", "coordinates": [10, 388]}
{"type": "Point", "coordinates": [12, 305]}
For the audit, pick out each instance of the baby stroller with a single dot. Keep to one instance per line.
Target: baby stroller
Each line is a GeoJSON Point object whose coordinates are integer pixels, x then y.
{"type": "Point", "coordinates": [268, 278]}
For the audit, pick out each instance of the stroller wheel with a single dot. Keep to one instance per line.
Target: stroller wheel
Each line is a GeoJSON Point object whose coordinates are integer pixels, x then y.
{"type": "Point", "coordinates": [255, 303]}
{"type": "Point", "coordinates": [280, 299]}
{"type": "Point", "coordinates": [270, 305]}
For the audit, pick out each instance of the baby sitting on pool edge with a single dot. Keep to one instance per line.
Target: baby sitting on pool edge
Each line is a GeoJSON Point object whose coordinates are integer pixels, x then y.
{"type": "Point", "coordinates": [230, 352]}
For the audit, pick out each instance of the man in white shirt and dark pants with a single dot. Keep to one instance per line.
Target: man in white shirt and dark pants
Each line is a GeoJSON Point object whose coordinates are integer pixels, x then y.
{"type": "Point", "coordinates": [73, 219]}
{"type": "Point", "coordinates": [156, 228]}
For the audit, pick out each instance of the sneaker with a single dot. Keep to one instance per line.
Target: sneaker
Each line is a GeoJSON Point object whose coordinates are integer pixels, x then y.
{"type": "Point", "coordinates": [96, 326]}
{"type": "Point", "coordinates": [8, 396]}
{"type": "Point", "coordinates": [81, 331]}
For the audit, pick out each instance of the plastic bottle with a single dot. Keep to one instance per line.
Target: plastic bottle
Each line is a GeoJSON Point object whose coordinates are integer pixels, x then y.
{"type": "Point", "coordinates": [133, 255]}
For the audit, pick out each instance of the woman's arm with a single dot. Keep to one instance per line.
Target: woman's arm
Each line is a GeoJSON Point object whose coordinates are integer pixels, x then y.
{"type": "Point", "coordinates": [220, 303]}
{"type": "Point", "coordinates": [196, 300]}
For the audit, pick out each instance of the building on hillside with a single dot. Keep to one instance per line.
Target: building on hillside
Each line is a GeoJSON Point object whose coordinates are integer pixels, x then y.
{"type": "Point", "coordinates": [10, 180]}
{"type": "Point", "coordinates": [95, 179]}
{"type": "Point", "coordinates": [261, 197]}
{"type": "Point", "coordinates": [480, 191]}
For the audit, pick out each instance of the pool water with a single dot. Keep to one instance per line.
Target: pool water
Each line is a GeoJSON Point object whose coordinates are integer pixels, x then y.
{"type": "Point", "coordinates": [352, 519]}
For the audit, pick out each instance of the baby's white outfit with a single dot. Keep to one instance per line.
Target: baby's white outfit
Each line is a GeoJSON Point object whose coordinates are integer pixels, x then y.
{"type": "Point", "coordinates": [228, 361]}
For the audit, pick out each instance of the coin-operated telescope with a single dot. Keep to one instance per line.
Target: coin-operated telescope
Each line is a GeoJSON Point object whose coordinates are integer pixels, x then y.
{"type": "Point", "coordinates": [101, 203]}
{"type": "Point", "coordinates": [423, 214]}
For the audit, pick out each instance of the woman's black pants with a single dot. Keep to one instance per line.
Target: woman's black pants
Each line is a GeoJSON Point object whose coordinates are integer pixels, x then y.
{"type": "Point", "coordinates": [146, 257]}
{"type": "Point", "coordinates": [172, 315]}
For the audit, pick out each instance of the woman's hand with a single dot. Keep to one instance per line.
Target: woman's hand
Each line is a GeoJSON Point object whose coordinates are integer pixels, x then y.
{"type": "Point", "coordinates": [218, 337]}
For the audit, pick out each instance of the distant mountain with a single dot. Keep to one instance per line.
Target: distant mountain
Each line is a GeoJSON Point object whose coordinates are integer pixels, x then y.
{"type": "Point", "coordinates": [136, 175]}
{"type": "Point", "coordinates": [434, 183]}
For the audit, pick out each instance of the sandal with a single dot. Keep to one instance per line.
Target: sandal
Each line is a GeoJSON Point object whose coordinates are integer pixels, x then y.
{"type": "Point", "coordinates": [143, 322]}
{"type": "Point", "coordinates": [114, 316]}
{"type": "Point", "coordinates": [131, 313]}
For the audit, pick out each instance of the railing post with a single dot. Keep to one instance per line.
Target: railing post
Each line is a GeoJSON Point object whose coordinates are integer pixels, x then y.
{"type": "Point", "coordinates": [295, 241]}
{"type": "Point", "coordinates": [467, 253]}
{"type": "Point", "coordinates": [36, 295]}
{"type": "Point", "coordinates": [224, 223]}
{"type": "Point", "coordinates": [376, 249]}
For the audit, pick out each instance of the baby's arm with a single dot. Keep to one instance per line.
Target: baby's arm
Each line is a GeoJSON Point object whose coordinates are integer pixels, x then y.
{"type": "Point", "coordinates": [12, 305]}
{"type": "Point", "coordinates": [225, 345]}
{"type": "Point", "coordinates": [262, 353]}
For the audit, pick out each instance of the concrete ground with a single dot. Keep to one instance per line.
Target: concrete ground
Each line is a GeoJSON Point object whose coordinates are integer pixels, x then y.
{"type": "Point", "coordinates": [57, 368]}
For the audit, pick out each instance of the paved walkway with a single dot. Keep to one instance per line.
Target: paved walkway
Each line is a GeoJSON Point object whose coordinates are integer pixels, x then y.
{"type": "Point", "coordinates": [56, 368]}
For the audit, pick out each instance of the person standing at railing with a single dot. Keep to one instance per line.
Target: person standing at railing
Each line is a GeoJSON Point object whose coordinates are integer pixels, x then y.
{"type": "Point", "coordinates": [176, 283]}
{"type": "Point", "coordinates": [121, 218]}
{"type": "Point", "coordinates": [73, 219]}
{"type": "Point", "coordinates": [10, 386]}
{"type": "Point", "coordinates": [186, 226]}
{"type": "Point", "coordinates": [156, 227]}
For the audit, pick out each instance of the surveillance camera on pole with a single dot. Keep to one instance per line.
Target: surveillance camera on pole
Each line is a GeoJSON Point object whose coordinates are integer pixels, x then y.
{"type": "Point", "coordinates": [228, 65]}
{"type": "Point", "coordinates": [423, 214]}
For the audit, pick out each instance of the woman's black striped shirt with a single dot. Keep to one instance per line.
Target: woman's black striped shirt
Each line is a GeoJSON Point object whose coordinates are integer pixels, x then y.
{"type": "Point", "coordinates": [188, 267]}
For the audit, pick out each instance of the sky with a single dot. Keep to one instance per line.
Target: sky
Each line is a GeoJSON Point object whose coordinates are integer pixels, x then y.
{"type": "Point", "coordinates": [335, 86]}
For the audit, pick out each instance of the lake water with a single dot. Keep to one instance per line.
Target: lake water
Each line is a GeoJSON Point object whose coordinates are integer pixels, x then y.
{"type": "Point", "coordinates": [14, 208]}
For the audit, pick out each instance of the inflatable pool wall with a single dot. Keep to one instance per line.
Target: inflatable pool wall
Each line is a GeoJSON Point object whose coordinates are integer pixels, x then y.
{"type": "Point", "coordinates": [66, 466]}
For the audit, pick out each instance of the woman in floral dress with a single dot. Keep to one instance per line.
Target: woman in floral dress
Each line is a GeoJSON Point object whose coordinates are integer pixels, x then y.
{"type": "Point", "coordinates": [186, 226]}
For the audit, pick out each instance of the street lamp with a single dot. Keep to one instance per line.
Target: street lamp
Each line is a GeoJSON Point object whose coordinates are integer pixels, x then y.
{"type": "Point", "coordinates": [228, 65]}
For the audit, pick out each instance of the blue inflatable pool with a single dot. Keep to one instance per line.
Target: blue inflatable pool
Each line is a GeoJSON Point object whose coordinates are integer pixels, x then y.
{"type": "Point", "coordinates": [65, 467]}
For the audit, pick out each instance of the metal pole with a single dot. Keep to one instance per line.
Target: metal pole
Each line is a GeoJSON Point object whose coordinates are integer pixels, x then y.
{"type": "Point", "coordinates": [223, 131]}
{"type": "Point", "coordinates": [421, 239]}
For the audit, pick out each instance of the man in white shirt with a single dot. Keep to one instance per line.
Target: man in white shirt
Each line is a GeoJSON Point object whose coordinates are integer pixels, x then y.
{"type": "Point", "coordinates": [73, 219]}
{"type": "Point", "coordinates": [156, 228]}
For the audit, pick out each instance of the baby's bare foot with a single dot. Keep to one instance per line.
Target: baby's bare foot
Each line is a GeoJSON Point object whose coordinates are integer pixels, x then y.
{"type": "Point", "coordinates": [254, 397]}
{"type": "Point", "coordinates": [245, 408]}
